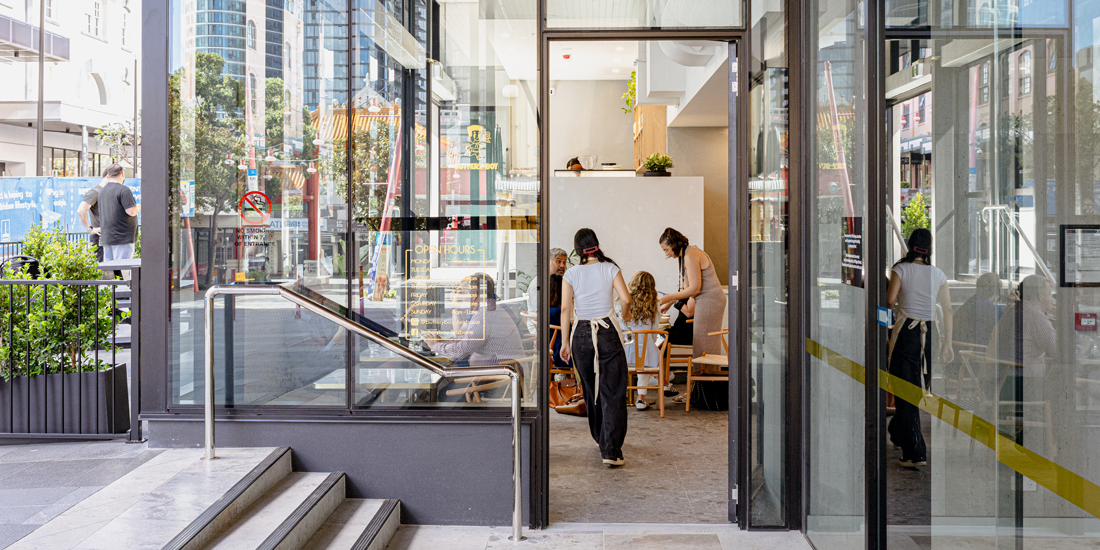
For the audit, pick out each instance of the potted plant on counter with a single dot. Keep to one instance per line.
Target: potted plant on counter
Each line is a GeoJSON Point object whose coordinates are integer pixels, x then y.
{"type": "Point", "coordinates": [657, 164]}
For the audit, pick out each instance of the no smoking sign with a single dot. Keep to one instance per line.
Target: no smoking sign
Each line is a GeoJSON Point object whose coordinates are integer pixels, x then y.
{"type": "Point", "coordinates": [255, 208]}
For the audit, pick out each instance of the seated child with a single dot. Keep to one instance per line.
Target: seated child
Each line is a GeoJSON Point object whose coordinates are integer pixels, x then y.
{"type": "Point", "coordinates": [644, 316]}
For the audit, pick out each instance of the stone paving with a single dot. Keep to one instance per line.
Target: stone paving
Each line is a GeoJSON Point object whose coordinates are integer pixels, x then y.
{"type": "Point", "coordinates": [38, 482]}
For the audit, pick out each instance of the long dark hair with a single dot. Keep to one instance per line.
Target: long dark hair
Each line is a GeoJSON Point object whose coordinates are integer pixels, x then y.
{"type": "Point", "coordinates": [920, 246]}
{"type": "Point", "coordinates": [585, 239]}
{"type": "Point", "coordinates": [678, 243]}
{"type": "Point", "coordinates": [555, 289]}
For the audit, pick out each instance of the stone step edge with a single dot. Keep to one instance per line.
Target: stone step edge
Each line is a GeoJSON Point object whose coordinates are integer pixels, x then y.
{"type": "Point", "coordinates": [227, 509]}
{"type": "Point", "coordinates": [382, 527]}
{"type": "Point", "coordinates": [304, 521]}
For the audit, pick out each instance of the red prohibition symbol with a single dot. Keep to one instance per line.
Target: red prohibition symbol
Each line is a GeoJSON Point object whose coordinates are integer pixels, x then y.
{"type": "Point", "coordinates": [255, 208]}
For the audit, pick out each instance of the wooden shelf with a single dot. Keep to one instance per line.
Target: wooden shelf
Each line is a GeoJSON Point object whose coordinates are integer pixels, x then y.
{"type": "Point", "coordinates": [650, 132]}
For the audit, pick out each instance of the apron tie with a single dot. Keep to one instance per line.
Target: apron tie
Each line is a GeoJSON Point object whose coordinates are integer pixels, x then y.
{"type": "Point", "coordinates": [895, 329]}
{"type": "Point", "coordinates": [594, 327]}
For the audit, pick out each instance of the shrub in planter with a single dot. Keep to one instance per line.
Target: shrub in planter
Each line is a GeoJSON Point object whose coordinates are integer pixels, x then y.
{"type": "Point", "coordinates": [48, 338]}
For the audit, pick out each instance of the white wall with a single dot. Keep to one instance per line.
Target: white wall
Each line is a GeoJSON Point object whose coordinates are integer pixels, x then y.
{"type": "Point", "coordinates": [704, 152]}
{"type": "Point", "coordinates": [586, 118]}
{"type": "Point", "coordinates": [628, 215]}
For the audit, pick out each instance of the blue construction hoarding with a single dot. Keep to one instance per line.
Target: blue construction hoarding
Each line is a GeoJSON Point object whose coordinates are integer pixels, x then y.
{"type": "Point", "coordinates": [51, 201]}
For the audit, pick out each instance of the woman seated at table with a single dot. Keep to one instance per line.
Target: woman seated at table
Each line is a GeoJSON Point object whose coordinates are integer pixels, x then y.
{"type": "Point", "coordinates": [484, 334]}
{"type": "Point", "coordinates": [555, 319]}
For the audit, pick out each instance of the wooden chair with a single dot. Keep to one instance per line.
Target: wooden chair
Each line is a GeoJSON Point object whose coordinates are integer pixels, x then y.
{"type": "Point", "coordinates": [724, 332]}
{"type": "Point", "coordinates": [965, 366]}
{"type": "Point", "coordinates": [720, 361]}
{"type": "Point", "coordinates": [530, 340]}
{"type": "Point", "coordinates": [555, 332]}
{"type": "Point", "coordinates": [471, 387]}
{"type": "Point", "coordinates": [641, 348]}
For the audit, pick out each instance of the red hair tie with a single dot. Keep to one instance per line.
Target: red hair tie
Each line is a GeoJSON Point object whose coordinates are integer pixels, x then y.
{"type": "Point", "coordinates": [920, 250]}
{"type": "Point", "coordinates": [590, 250]}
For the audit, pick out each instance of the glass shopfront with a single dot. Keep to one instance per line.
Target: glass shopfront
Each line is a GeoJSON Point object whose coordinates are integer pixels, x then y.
{"type": "Point", "coordinates": [398, 192]}
{"type": "Point", "coordinates": [385, 159]}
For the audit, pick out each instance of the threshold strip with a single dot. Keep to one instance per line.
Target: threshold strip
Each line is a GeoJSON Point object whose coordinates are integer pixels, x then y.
{"type": "Point", "coordinates": [1058, 479]}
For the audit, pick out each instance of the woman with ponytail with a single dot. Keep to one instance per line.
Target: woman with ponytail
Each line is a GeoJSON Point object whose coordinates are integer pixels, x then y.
{"type": "Point", "coordinates": [916, 288]}
{"type": "Point", "coordinates": [590, 332]}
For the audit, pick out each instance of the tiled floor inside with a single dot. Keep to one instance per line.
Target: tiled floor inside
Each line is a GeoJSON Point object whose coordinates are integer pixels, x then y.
{"type": "Point", "coordinates": [676, 469]}
{"type": "Point", "coordinates": [597, 537]}
{"type": "Point", "coordinates": [38, 482]}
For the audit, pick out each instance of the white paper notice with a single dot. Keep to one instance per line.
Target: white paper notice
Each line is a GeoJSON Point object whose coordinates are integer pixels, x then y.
{"type": "Point", "coordinates": [1082, 255]}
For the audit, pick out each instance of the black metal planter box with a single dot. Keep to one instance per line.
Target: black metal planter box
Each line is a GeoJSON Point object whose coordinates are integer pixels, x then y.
{"type": "Point", "coordinates": [70, 403]}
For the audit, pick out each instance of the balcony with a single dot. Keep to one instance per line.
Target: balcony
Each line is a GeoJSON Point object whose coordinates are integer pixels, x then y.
{"type": "Point", "coordinates": [19, 43]}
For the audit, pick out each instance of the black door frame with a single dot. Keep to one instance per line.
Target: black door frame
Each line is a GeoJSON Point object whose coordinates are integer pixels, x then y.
{"type": "Point", "coordinates": [738, 184]}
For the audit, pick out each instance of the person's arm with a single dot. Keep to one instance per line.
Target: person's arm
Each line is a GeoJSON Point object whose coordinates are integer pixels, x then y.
{"type": "Point", "coordinates": [689, 308]}
{"type": "Point", "coordinates": [624, 295]}
{"type": "Point", "coordinates": [82, 213]}
{"type": "Point", "coordinates": [944, 297]}
{"type": "Point", "coordinates": [893, 289]}
{"type": "Point", "coordinates": [566, 319]}
{"type": "Point", "coordinates": [128, 203]}
{"type": "Point", "coordinates": [694, 284]}
{"type": "Point", "coordinates": [133, 210]}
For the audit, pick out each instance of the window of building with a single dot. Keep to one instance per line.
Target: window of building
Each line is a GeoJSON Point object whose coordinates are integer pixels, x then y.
{"type": "Point", "coordinates": [125, 17]}
{"type": "Point", "coordinates": [49, 9]}
{"type": "Point", "coordinates": [252, 90]}
{"type": "Point", "coordinates": [286, 56]}
{"type": "Point", "coordinates": [93, 19]}
{"type": "Point", "coordinates": [251, 35]}
{"type": "Point", "coordinates": [920, 109]}
{"type": "Point", "coordinates": [905, 115]}
{"type": "Point", "coordinates": [983, 84]}
{"type": "Point", "coordinates": [1025, 73]}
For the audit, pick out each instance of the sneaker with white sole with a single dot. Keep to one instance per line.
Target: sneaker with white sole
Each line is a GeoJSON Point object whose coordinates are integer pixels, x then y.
{"type": "Point", "coordinates": [911, 463]}
{"type": "Point", "coordinates": [614, 462]}
{"type": "Point", "coordinates": [641, 405]}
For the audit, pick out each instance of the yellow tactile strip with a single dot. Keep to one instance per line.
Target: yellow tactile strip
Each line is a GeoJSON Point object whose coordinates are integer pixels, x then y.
{"type": "Point", "coordinates": [1060, 480]}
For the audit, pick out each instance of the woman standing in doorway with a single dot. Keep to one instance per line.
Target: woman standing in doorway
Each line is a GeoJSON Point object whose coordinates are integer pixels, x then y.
{"type": "Point", "coordinates": [697, 280]}
{"type": "Point", "coordinates": [916, 286]}
{"type": "Point", "coordinates": [594, 337]}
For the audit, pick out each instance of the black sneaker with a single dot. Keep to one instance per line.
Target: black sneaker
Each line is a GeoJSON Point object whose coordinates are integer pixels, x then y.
{"type": "Point", "coordinates": [671, 391]}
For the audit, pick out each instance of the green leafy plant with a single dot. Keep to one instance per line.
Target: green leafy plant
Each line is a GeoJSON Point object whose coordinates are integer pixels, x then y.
{"type": "Point", "coordinates": [631, 92]}
{"type": "Point", "coordinates": [904, 185]}
{"type": "Point", "coordinates": [914, 216]}
{"type": "Point", "coordinates": [658, 162]}
{"type": "Point", "coordinates": [56, 328]}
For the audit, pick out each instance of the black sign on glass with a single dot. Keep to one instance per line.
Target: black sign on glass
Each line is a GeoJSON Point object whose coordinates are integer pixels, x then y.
{"type": "Point", "coordinates": [851, 260]}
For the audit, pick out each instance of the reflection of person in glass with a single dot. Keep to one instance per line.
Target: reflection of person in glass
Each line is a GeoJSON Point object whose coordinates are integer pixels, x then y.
{"type": "Point", "coordinates": [484, 334]}
{"type": "Point", "coordinates": [917, 287]}
{"type": "Point", "coordinates": [1025, 336]}
{"type": "Point", "coordinates": [381, 287]}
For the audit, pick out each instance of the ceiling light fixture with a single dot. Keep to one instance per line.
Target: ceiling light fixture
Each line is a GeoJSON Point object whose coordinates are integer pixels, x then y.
{"type": "Point", "coordinates": [505, 35]}
{"type": "Point", "coordinates": [614, 70]}
{"type": "Point", "coordinates": [311, 169]}
{"type": "Point", "coordinates": [619, 49]}
{"type": "Point", "coordinates": [618, 61]}
{"type": "Point", "coordinates": [374, 108]}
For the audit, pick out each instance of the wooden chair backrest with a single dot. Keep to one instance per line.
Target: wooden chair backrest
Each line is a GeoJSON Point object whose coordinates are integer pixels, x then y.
{"type": "Point", "coordinates": [641, 346]}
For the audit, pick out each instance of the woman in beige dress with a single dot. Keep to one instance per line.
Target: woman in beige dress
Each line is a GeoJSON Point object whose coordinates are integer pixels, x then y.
{"type": "Point", "coordinates": [697, 280]}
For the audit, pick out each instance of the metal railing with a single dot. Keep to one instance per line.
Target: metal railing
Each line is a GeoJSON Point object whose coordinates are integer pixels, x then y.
{"type": "Point", "coordinates": [59, 369]}
{"type": "Point", "coordinates": [897, 231]}
{"type": "Point", "coordinates": [14, 248]}
{"type": "Point", "coordinates": [510, 371]}
{"type": "Point", "coordinates": [991, 213]}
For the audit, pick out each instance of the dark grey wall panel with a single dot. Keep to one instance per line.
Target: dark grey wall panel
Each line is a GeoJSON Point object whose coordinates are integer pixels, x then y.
{"type": "Point", "coordinates": [443, 473]}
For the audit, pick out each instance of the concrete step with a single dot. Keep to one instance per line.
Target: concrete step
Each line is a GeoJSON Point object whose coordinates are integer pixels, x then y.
{"type": "Point", "coordinates": [286, 516]}
{"type": "Point", "coordinates": [359, 524]}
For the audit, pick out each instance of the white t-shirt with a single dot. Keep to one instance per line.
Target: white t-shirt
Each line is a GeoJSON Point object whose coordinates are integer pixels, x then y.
{"type": "Point", "coordinates": [533, 303]}
{"type": "Point", "coordinates": [592, 288]}
{"type": "Point", "coordinates": [920, 285]}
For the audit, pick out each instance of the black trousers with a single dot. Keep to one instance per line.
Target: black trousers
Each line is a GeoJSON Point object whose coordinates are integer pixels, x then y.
{"type": "Point", "coordinates": [607, 417]}
{"type": "Point", "coordinates": [905, 363]}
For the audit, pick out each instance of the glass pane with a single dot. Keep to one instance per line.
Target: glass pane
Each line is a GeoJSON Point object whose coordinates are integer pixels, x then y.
{"type": "Point", "coordinates": [836, 297]}
{"type": "Point", "coordinates": [1001, 168]}
{"type": "Point", "coordinates": [643, 13]}
{"type": "Point", "coordinates": [768, 221]}
{"type": "Point", "coordinates": [309, 167]}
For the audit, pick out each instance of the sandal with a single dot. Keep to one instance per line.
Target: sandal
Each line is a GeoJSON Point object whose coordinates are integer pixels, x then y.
{"type": "Point", "coordinates": [679, 399]}
{"type": "Point", "coordinates": [670, 391]}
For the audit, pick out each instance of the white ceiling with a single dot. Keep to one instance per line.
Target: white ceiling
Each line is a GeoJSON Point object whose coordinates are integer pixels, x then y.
{"type": "Point", "coordinates": [592, 60]}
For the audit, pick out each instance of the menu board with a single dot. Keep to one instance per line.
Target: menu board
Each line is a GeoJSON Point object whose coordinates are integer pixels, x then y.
{"type": "Point", "coordinates": [427, 312]}
{"type": "Point", "coordinates": [1080, 265]}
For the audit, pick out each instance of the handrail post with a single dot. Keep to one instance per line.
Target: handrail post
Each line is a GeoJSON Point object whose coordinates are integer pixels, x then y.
{"type": "Point", "coordinates": [517, 462]}
{"type": "Point", "coordinates": [208, 403]}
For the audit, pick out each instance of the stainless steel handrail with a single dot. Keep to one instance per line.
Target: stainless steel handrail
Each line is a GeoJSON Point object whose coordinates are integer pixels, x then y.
{"type": "Point", "coordinates": [510, 371]}
{"type": "Point", "coordinates": [1003, 209]}
{"type": "Point", "coordinates": [897, 231]}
